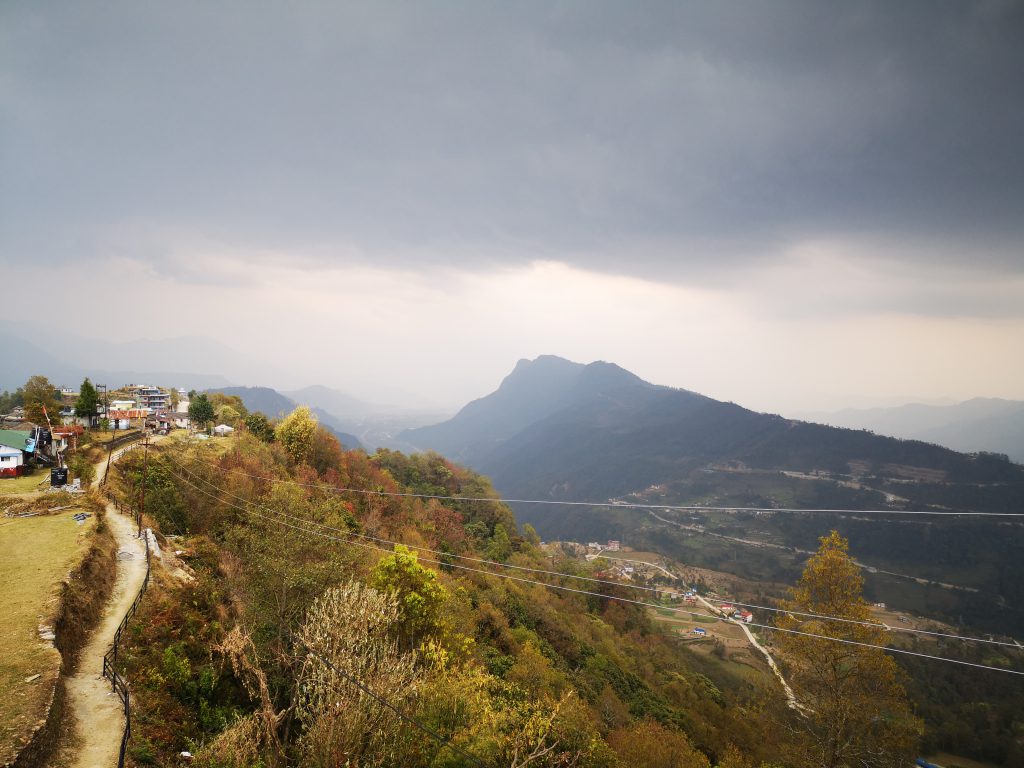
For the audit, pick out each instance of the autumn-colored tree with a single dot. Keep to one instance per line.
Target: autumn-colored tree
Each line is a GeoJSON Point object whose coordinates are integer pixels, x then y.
{"type": "Point", "coordinates": [325, 452]}
{"type": "Point", "coordinates": [648, 744]}
{"type": "Point", "coordinates": [219, 400]}
{"type": "Point", "coordinates": [853, 709]}
{"type": "Point", "coordinates": [227, 415]}
{"type": "Point", "coordinates": [40, 394]}
{"type": "Point", "coordinates": [295, 433]}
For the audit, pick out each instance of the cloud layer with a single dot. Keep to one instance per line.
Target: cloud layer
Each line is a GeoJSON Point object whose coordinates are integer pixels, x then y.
{"type": "Point", "coordinates": [776, 165]}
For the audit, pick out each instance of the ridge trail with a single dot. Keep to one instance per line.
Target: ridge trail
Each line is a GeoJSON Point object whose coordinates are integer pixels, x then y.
{"type": "Point", "coordinates": [96, 709]}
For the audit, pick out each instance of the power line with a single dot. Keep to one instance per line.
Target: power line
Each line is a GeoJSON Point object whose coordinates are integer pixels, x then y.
{"type": "Point", "coordinates": [630, 505]}
{"type": "Point", "coordinates": [605, 596]}
{"type": "Point", "coordinates": [482, 561]}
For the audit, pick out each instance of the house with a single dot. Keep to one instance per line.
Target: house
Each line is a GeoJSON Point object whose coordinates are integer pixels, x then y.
{"type": "Point", "coordinates": [67, 436]}
{"type": "Point", "coordinates": [223, 430]}
{"type": "Point", "coordinates": [726, 608]}
{"type": "Point", "coordinates": [613, 546]}
{"type": "Point", "coordinates": [122, 419]}
{"type": "Point", "coordinates": [746, 617]}
{"type": "Point", "coordinates": [122, 405]}
{"type": "Point", "coordinates": [15, 448]}
{"type": "Point", "coordinates": [151, 397]}
{"type": "Point", "coordinates": [700, 631]}
{"type": "Point", "coordinates": [12, 461]}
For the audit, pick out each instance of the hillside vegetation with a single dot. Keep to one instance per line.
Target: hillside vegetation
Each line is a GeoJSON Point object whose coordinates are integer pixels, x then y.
{"type": "Point", "coordinates": [564, 431]}
{"type": "Point", "coordinates": [231, 659]}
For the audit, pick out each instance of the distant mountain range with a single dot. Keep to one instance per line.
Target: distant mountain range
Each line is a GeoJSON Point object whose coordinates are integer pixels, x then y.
{"type": "Point", "coordinates": [272, 403]}
{"type": "Point", "coordinates": [341, 404]}
{"type": "Point", "coordinates": [565, 430]}
{"type": "Point", "coordinates": [981, 424]}
{"type": "Point", "coordinates": [67, 362]}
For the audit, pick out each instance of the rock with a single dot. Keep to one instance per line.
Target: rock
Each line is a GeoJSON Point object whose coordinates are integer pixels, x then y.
{"type": "Point", "coordinates": [32, 678]}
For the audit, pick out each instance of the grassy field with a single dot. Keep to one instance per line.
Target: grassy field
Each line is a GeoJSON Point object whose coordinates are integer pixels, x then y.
{"type": "Point", "coordinates": [37, 481]}
{"type": "Point", "coordinates": [36, 553]}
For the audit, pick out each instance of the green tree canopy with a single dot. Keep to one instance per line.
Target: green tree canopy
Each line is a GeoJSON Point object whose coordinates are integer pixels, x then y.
{"type": "Point", "coordinates": [200, 410]}
{"type": "Point", "coordinates": [420, 594]}
{"type": "Point", "coordinates": [260, 427]}
{"type": "Point", "coordinates": [88, 399]}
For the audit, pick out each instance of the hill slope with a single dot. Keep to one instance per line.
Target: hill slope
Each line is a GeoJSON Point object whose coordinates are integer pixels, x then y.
{"type": "Point", "coordinates": [562, 430]}
{"type": "Point", "coordinates": [534, 390]}
{"type": "Point", "coordinates": [273, 404]}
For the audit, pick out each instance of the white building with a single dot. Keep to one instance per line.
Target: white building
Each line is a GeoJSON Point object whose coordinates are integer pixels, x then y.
{"type": "Point", "coordinates": [11, 461]}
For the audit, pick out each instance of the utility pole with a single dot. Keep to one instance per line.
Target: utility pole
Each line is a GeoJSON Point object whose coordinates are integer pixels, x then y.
{"type": "Point", "coordinates": [145, 473]}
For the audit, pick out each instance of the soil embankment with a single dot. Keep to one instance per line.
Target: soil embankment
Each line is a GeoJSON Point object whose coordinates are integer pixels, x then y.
{"type": "Point", "coordinates": [82, 597]}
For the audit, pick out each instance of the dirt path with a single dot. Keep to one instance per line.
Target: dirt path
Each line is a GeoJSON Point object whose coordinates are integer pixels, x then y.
{"type": "Point", "coordinates": [791, 698]}
{"type": "Point", "coordinates": [99, 721]}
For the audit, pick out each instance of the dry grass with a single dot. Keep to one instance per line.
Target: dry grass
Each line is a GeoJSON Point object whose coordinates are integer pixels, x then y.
{"type": "Point", "coordinates": [36, 554]}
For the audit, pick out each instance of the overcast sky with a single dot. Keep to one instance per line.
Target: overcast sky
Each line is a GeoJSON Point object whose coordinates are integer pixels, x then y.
{"type": "Point", "coordinates": [792, 205]}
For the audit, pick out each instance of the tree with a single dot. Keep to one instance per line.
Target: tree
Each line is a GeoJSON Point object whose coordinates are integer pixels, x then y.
{"type": "Point", "coordinates": [349, 635]}
{"type": "Point", "coordinates": [88, 399]}
{"type": "Point", "coordinates": [219, 400]}
{"type": "Point", "coordinates": [295, 433]}
{"type": "Point", "coordinates": [325, 451]}
{"type": "Point", "coordinates": [853, 709]}
{"type": "Point", "coordinates": [11, 400]}
{"type": "Point", "coordinates": [420, 595]}
{"type": "Point", "coordinates": [227, 415]}
{"type": "Point", "coordinates": [40, 394]}
{"type": "Point", "coordinates": [648, 744]}
{"type": "Point", "coordinates": [200, 410]}
{"type": "Point", "coordinates": [259, 427]}
{"type": "Point", "coordinates": [175, 399]}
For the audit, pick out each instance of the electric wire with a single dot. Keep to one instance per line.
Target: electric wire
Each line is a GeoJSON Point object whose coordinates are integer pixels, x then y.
{"type": "Point", "coordinates": [608, 582]}
{"type": "Point", "coordinates": [604, 596]}
{"type": "Point", "coordinates": [631, 505]}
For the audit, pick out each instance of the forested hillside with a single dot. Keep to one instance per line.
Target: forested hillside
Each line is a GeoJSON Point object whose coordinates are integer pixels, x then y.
{"type": "Point", "coordinates": [273, 404]}
{"type": "Point", "coordinates": [619, 438]}
{"type": "Point", "coordinates": [266, 542]}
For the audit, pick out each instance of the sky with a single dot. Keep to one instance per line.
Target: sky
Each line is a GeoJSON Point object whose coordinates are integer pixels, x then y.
{"type": "Point", "coordinates": [795, 206]}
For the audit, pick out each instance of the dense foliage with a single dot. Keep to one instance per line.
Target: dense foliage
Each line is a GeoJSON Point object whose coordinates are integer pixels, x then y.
{"type": "Point", "coordinates": [230, 663]}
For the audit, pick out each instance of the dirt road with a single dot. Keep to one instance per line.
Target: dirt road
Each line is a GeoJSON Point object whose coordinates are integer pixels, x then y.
{"type": "Point", "coordinates": [99, 721]}
{"type": "Point", "coordinates": [754, 642]}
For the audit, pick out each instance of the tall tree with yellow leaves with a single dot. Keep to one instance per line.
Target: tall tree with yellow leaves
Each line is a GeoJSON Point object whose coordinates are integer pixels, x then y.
{"type": "Point", "coordinates": [853, 709]}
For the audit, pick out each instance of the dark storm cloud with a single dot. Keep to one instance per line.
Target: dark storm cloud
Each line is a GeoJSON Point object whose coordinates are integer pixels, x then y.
{"type": "Point", "coordinates": [654, 138]}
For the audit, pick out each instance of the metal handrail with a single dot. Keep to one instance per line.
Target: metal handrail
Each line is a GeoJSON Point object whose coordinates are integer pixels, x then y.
{"type": "Point", "coordinates": [118, 684]}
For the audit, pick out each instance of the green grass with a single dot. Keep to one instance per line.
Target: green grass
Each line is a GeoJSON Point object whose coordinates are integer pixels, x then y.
{"type": "Point", "coordinates": [37, 481]}
{"type": "Point", "coordinates": [36, 553]}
